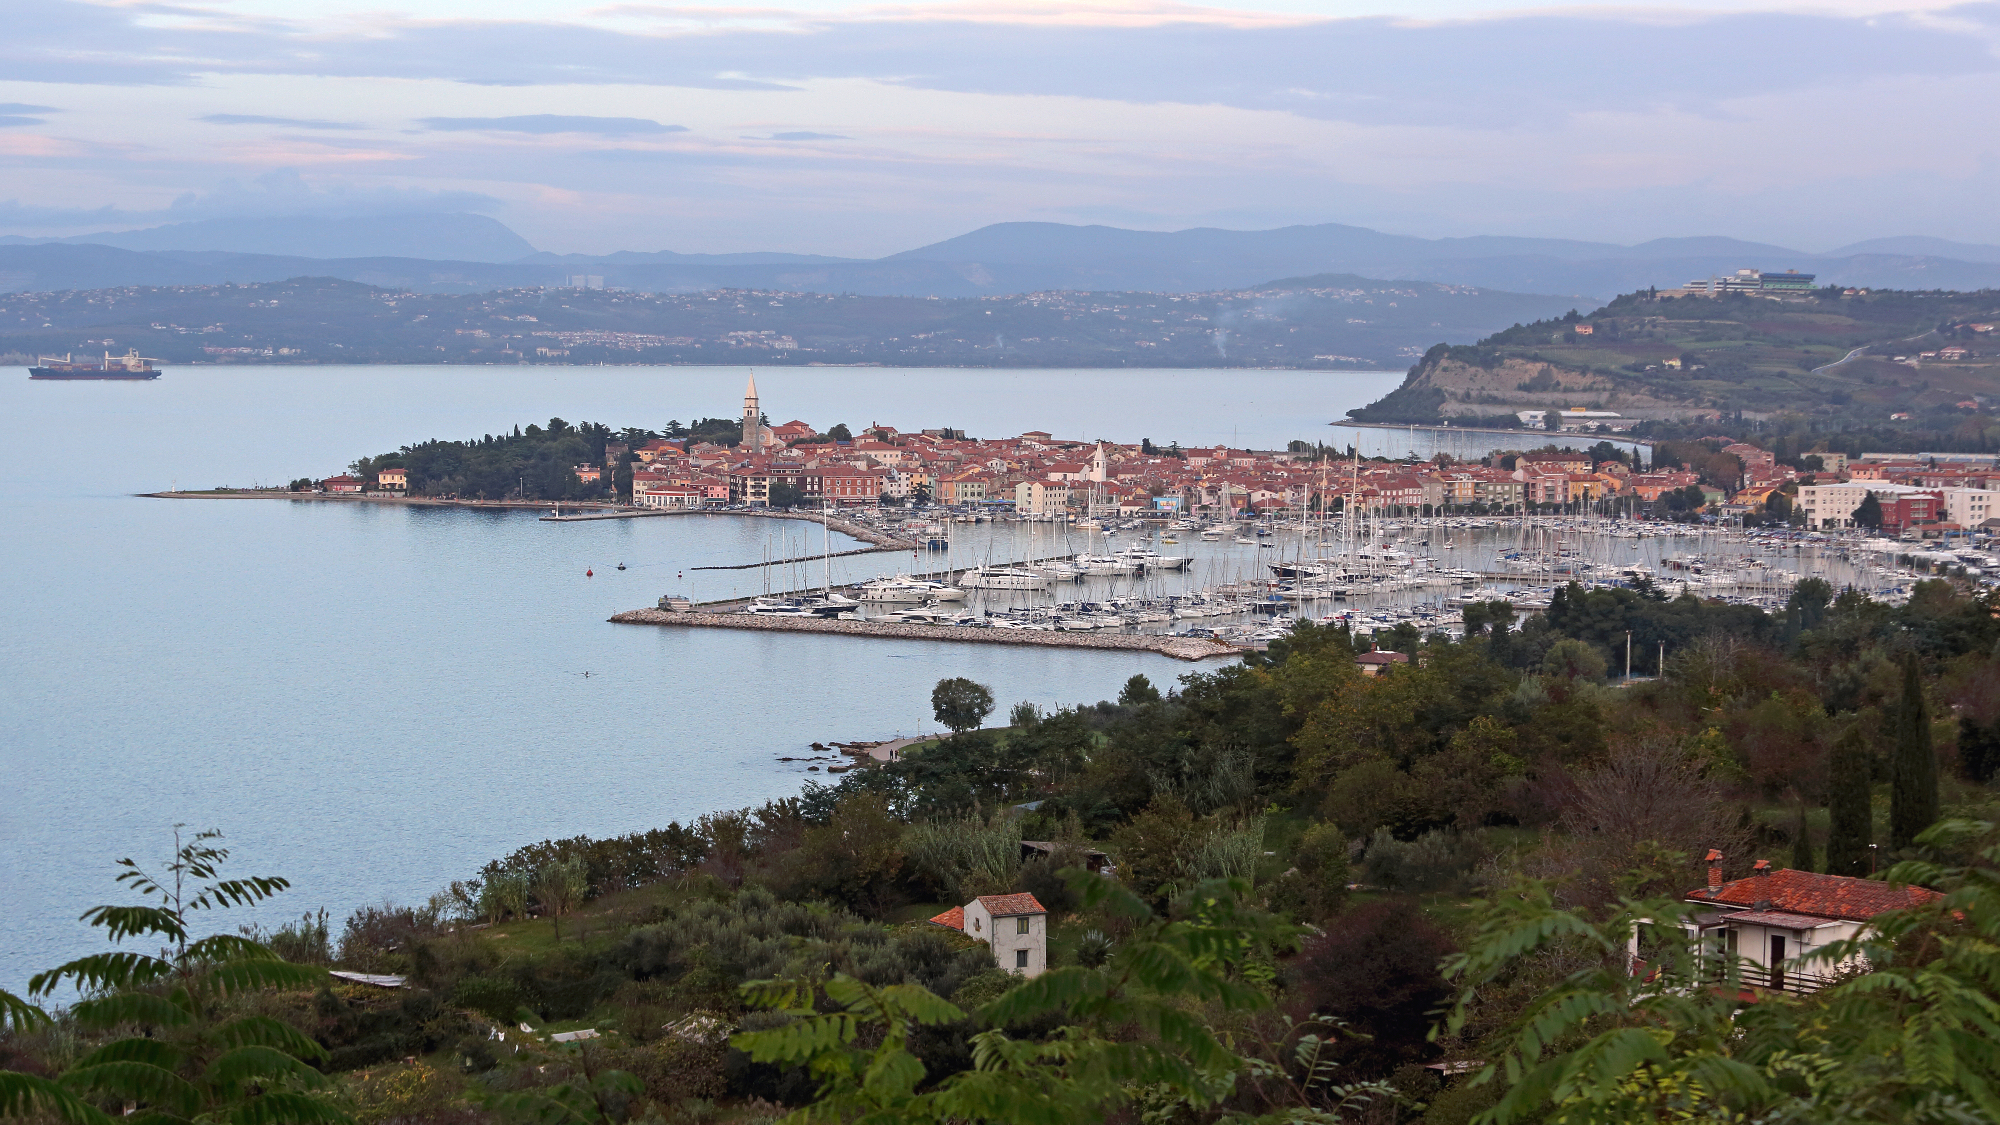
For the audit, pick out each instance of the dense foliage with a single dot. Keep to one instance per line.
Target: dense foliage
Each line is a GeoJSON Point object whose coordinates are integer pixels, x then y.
{"type": "Point", "coordinates": [1305, 865]}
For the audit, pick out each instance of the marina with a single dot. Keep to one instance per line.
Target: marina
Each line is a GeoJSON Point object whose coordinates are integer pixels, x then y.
{"type": "Point", "coordinates": [1243, 584]}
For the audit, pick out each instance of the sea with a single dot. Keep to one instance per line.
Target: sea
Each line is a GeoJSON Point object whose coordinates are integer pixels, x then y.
{"type": "Point", "coordinates": [373, 700]}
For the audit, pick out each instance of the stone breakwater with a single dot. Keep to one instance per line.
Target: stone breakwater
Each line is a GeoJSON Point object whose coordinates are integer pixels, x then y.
{"type": "Point", "coordinates": [1180, 648]}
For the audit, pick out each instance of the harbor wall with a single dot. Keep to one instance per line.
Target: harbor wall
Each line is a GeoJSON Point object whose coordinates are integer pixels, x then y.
{"type": "Point", "coordinates": [1180, 648]}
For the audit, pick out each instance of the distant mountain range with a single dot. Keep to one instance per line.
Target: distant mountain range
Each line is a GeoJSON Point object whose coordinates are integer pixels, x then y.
{"type": "Point", "coordinates": [455, 236]}
{"type": "Point", "coordinates": [461, 253]}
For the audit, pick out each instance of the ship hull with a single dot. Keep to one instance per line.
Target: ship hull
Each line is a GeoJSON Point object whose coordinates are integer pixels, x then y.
{"type": "Point", "coordinates": [126, 376]}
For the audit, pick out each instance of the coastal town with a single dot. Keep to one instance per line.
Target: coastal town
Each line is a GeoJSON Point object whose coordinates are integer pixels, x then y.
{"type": "Point", "coordinates": [1038, 475]}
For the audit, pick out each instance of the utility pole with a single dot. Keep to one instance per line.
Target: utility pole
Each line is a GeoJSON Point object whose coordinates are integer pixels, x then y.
{"type": "Point", "coordinates": [1663, 660]}
{"type": "Point", "coordinates": [1628, 655]}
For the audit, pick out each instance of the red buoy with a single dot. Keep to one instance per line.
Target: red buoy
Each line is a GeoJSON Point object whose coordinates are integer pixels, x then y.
{"type": "Point", "coordinates": [589, 574]}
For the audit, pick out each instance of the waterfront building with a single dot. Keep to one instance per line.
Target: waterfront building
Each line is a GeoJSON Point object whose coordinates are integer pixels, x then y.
{"type": "Point", "coordinates": [1831, 506]}
{"type": "Point", "coordinates": [392, 480]}
{"type": "Point", "coordinates": [1970, 507]}
{"type": "Point", "coordinates": [341, 483]}
{"type": "Point", "coordinates": [1041, 498]}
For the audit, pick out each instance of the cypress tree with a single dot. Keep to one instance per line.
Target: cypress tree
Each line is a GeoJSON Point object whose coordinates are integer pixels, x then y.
{"type": "Point", "coordinates": [1913, 793]}
{"type": "Point", "coordinates": [1869, 512]}
{"type": "Point", "coordinates": [1802, 849]}
{"type": "Point", "coordinates": [1852, 826]}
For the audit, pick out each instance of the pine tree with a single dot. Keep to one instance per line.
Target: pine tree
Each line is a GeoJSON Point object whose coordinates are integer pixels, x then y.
{"type": "Point", "coordinates": [1913, 793]}
{"type": "Point", "coordinates": [1852, 826]}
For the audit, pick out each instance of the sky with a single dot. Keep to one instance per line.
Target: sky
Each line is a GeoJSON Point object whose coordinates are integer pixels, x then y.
{"type": "Point", "coordinates": [861, 129]}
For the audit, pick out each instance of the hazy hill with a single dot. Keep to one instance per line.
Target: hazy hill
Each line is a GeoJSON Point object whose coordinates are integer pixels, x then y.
{"type": "Point", "coordinates": [1212, 258]}
{"type": "Point", "coordinates": [1326, 322]}
{"type": "Point", "coordinates": [449, 237]}
{"type": "Point", "coordinates": [474, 253]}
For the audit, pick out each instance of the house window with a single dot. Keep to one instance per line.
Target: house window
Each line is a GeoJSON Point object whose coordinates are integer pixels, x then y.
{"type": "Point", "coordinates": [1021, 925]}
{"type": "Point", "coordinates": [1020, 958]}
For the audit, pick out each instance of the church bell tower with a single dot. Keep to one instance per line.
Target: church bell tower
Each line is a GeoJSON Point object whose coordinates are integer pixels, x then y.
{"type": "Point", "coordinates": [755, 436]}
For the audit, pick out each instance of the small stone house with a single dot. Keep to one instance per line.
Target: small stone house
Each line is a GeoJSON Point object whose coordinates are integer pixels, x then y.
{"type": "Point", "coordinates": [1775, 921]}
{"type": "Point", "coordinates": [1015, 926]}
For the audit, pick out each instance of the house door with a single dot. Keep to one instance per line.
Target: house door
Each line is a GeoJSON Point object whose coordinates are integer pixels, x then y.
{"type": "Point", "coordinates": [1777, 962]}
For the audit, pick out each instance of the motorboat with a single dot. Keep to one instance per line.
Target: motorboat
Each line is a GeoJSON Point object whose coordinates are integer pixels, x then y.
{"type": "Point", "coordinates": [899, 590]}
{"type": "Point", "coordinates": [1003, 578]}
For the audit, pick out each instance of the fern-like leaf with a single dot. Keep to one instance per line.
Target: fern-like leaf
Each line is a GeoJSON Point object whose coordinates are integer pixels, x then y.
{"type": "Point", "coordinates": [122, 922]}
{"type": "Point", "coordinates": [139, 1082]}
{"type": "Point", "coordinates": [137, 1049]}
{"type": "Point", "coordinates": [285, 1108]}
{"type": "Point", "coordinates": [102, 972]}
{"type": "Point", "coordinates": [141, 1008]}
{"type": "Point", "coordinates": [264, 1031]}
{"type": "Point", "coordinates": [25, 1095]}
{"type": "Point", "coordinates": [238, 892]}
{"type": "Point", "coordinates": [255, 976]}
{"type": "Point", "coordinates": [260, 1066]}
{"type": "Point", "coordinates": [17, 1014]}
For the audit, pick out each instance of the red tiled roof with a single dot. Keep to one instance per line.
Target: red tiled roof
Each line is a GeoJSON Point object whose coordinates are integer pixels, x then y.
{"type": "Point", "coordinates": [1382, 658]}
{"type": "Point", "coordinates": [953, 919]}
{"type": "Point", "coordinates": [1828, 896]}
{"type": "Point", "coordinates": [1002, 906]}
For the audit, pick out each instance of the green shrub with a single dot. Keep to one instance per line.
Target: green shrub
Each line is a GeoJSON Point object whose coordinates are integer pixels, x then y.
{"type": "Point", "coordinates": [493, 997]}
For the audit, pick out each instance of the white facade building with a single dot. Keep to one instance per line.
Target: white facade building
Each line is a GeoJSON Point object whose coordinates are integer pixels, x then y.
{"type": "Point", "coordinates": [1015, 926]}
{"type": "Point", "coordinates": [1040, 498]}
{"type": "Point", "coordinates": [1829, 506]}
{"type": "Point", "coordinates": [1970, 507]}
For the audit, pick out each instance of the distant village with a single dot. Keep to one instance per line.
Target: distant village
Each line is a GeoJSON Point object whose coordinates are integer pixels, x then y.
{"type": "Point", "coordinates": [1037, 475]}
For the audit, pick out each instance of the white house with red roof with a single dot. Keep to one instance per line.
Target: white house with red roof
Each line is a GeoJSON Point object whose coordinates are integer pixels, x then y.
{"type": "Point", "coordinates": [1774, 920]}
{"type": "Point", "coordinates": [1015, 926]}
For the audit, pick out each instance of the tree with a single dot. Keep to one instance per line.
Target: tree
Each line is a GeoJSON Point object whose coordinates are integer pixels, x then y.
{"type": "Point", "coordinates": [1802, 849]}
{"type": "Point", "coordinates": [1913, 780]}
{"type": "Point", "coordinates": [1137, 692]}
{"type": "Point", "coordinates": [840, 432]}
{"type": "Point", "coordinates": [1978, 749]}
{"type": "Point", "coordinates": [1572, 659]}
{"type": "Point", "coordinates": [1810, 598]}
{"type": "Point", "coordinates": [560, 887]}
{"type": "Point", "coordinates": [1852, 820]}
{"type": "Point", "coordinates": [1868, 513]}
{"type": "Point", "coordinates": [785, 493]}
{"type": "Point", "coordinates": [179, 1053]}
{"type": "Point", "coordinates": [960, 704]}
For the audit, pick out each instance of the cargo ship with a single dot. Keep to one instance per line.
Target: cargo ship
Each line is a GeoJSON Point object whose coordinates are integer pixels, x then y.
{"type": "Point", "coordinates": [131, 365]}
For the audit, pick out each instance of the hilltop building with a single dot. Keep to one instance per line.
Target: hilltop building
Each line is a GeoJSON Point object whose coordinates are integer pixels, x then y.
{"type": "Point", "coordinates": [1751, 281]}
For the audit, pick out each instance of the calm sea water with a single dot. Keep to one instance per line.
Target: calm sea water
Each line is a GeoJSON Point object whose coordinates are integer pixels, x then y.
{"type": "Point", "coordinates": [373, 701]}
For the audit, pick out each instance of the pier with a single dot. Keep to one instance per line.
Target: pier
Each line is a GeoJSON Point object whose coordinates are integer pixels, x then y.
{"type": "Point", "coordinates": [850, 529]}
{"type": "Point", "coordinates": [1180, 648]}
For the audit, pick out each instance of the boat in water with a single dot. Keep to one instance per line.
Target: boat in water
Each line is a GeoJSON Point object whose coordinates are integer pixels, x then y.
{"type": "Point", "coordinates": [131, 365]}
{"type": "Point", "coordinates": [1003, 578]}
